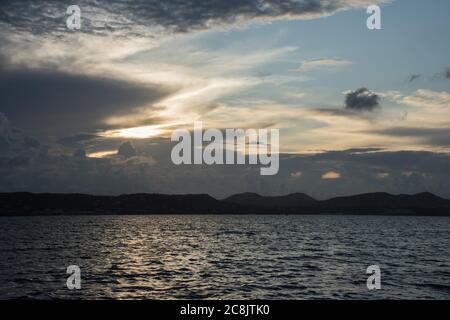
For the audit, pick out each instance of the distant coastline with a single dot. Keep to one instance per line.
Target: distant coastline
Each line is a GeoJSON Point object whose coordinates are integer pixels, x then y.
{"type": "Point", "coordinates": [33, 204]}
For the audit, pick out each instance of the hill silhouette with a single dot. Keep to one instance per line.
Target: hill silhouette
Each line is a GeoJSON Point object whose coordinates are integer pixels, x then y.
{"type": "Point", "coordinates": [290, 200]}
{"type": "Point", "coordinates": [28, 204]}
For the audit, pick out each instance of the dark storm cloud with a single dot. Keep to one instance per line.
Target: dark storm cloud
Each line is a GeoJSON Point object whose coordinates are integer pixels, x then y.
{"type": "Point", "coordinates": [59, 103]}
{"type": "Point", "coordinates": [358, 104]}
{"type": "Point", "coordinates": [362, 100]}
{"type": "Point", "coordinates": [171, 15]}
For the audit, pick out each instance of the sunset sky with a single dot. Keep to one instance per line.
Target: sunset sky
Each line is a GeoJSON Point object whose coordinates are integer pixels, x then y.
{"type": "Point", "coordinates": [92, 110]}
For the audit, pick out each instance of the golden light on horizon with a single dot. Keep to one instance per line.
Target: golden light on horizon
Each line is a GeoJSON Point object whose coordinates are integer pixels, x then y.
{"type": "Point", "coordinates": [331, 175]}
{"type": "Point", "coordinates": [101, 154]}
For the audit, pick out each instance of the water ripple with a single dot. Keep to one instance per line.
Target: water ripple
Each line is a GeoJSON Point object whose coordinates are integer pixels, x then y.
{"type": "Point", "coordinates": [225, 257]}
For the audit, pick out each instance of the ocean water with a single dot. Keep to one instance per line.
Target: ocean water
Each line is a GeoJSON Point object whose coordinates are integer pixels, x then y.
{"type": "Point", "coordinates": [225, 257]}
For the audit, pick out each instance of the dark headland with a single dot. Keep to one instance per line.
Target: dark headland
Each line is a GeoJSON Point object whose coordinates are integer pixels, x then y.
{"type": "Point", "coordinates": [29, 204]}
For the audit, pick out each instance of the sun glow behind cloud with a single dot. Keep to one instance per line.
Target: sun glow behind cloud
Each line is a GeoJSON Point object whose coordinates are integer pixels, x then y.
{"type": "Point", "coordinates": [153, 72]}
{"type": "Point", "coordinates": [101, 154]}
{"type": "Point", "coordinates": [134, 133]}
{"type": "Point", "coordinates": [225, 85]}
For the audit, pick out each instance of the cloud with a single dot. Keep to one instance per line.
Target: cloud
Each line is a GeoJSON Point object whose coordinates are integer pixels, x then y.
{"type": "Point", "coordinates": [443, 74]}
{"type": "Point", "coordinates": [331, 175]}
{"type": "Point", "coordinates": [79, 153]}
{"type": "Point", "coordinates": [428, 100]}
{"type": "Point", "coordinates": [5, 133]}
{"type": "Point", "coordinates": [447, 73]}
{"type": "Point", "coordinates": [427, 123]}
{"type": "Point", "coordinates": [76, 141]}
{"type": "Point", "coordinates": [31, 142]}
{"type": "Point", "coordinates": [362, 100]}
{"type": "Point", "coordinates": [414, 77]}
{"type": "Point", "coordinates": [345, 113]}
{"type": "Point", "coordinates": [127, 150]}
{"type": "Point", "coordinates": [440, 75]}
{"type": "Point", "coordinates": [323, 63]}
{"type": "Point", "coordinates": [149, 17]}
{"type": "Point", "coordinates": [5, 126]}
{"type": "Point", "coordinates": [24, 169]}
{"type": "Point", "coordinates": [58, 103]}
{"type": "Point", "coordinates": [382, 175]}
{"type": "Point", "coordinates": [296, 174]}
{"type": "Point", "coordinates": [3, 61]}
{"type": "Point", "coordinates": [179, 91]}
{"type": "Point", "coordinates": [357, 113]}
{"type": "Point", "coordinates": [428, 136]}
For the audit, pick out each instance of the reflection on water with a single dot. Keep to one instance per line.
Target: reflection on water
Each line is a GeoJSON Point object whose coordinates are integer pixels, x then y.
{"type": "Point", "coordinates": [225, 257]}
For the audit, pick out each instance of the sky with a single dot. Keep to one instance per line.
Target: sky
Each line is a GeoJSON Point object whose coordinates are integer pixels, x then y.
{"type": "Point", "coordinates": [92, 110]}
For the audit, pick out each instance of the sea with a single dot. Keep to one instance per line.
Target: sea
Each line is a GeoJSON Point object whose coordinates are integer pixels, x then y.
{"type": "Point", "coordinates": [275, 257]}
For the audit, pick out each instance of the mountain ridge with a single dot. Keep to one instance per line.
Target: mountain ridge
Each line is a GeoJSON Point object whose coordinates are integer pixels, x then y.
{"type": "Point", "coordinates": [292, 199]}
{"type": "Point", "coordinates": [377, 203]}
